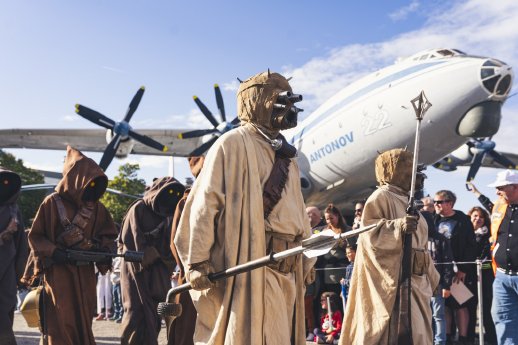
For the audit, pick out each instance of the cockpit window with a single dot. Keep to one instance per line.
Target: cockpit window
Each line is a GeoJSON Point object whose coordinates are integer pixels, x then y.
{"type": "Point", "coordinates": [495, 77]}
{"type": "Point", "coordinates": [436, 54]}
{"type": "Point", "coordinates": [503, 85]}
{"type": "Point", "coordinates": [446, 52]}
{"type": "Point", "coordinates": [460, 52]}
{"type": "Point", "coordinates": [491, 63]}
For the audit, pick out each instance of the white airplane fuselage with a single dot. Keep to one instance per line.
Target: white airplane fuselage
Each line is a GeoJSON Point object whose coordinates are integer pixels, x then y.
{"type": "Point", "coordinates": [339, 142]}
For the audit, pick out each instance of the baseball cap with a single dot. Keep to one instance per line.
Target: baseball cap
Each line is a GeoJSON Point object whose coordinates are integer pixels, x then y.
{"type": "Point", "coordinates": [504, 178]}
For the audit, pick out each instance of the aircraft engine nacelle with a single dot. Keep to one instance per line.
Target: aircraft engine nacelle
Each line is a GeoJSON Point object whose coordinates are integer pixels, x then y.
{"type": "Point", "coordinates": [461, 156]}
{"type": "Point", "coordinates": [482, 120]}
{"type": "Point", "coordinates": [125, 146]}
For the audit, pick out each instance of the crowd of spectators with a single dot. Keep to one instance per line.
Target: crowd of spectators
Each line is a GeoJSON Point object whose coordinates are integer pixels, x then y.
{"type": "Point", "coordinates": [456, 241]}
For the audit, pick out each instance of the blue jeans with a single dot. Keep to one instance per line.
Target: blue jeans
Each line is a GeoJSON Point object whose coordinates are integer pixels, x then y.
{"type": "Point", "coordinates": [505, 308]}
{"type": "Point", "coordinates": [117, 299]}
{"type": "Point", "coordinates": [438, 317]}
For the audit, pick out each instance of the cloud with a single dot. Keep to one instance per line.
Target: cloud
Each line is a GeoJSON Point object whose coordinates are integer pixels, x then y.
{"type": "Point", "coordinates": [231, 86]}
{"type": "Point", "coordinates": [476, 26]}
{"type": "Point", "coordinates": [403, 12]}
{"type": "Point", "coordinates": [70, 118]}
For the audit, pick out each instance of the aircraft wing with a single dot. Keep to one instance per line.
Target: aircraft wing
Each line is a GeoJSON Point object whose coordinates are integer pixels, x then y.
{"type": "Point", "coordinates": [94, 140]}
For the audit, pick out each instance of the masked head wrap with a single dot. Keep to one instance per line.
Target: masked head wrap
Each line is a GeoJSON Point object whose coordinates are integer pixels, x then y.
{"type": "Point", "coordinates": [256, 97]}
{"type": "Point", "coordinates": [163, 195]}
{"type": "Point", "coordinates": [10, 185]}
{"type": "Point", "coordinates": [395, 167]}
{"type": "Point", "coordinates": [83, 180]}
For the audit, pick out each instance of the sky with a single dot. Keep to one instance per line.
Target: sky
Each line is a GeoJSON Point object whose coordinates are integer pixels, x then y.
{"type": "Point", "coordinates": [98, 53]}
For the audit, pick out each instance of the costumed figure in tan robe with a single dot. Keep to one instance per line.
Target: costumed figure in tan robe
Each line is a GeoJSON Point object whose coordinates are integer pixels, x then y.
{"type": "Point", "coordinates": [71, 218]}
{"type": "Point", "coordinates": [371, 314]}
{"type": "Point", "coordinates": [224, 224]}
{"type": "Point", "coordinates": [147, 227]}
{"type": "Point", "coordinates": [181, 329]}
{"type": "Point", "coordinates": [13, 251]}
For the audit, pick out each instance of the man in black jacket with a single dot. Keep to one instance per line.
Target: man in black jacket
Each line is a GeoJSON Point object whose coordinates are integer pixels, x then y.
{"type": "Point", "coordinates": [457, 228]}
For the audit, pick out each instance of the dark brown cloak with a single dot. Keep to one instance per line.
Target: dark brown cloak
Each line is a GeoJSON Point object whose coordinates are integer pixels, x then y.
{"type": "Point", "coordinates": [143, 288]}
{"type": "Point", "coordinates": [181, 330]}
{"type": "Point", "coordinates": [13, 252]}
{"type": "Point", "coordinates": [70, 300]}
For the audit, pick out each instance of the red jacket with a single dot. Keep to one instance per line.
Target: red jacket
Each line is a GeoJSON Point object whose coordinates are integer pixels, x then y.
{"type": "Point", "coordinates": [336, 322]}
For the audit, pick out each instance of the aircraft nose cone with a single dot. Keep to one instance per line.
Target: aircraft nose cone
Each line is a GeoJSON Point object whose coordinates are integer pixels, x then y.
{"type": "Point", "coordinates": [497, 78]}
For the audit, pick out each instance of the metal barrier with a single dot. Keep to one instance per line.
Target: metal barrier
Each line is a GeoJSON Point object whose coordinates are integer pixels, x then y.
{"type": "Point", "coordinates": [477, 262]}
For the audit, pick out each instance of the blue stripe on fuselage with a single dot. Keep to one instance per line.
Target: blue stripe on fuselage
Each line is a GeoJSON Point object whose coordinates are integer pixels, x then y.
{"type": "Point", "coordinates": [389, 79]}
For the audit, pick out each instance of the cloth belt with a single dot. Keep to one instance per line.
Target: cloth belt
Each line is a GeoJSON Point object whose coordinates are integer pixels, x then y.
{"type": "Point", "coordinates": [508, 272]}
{"type": "Point", "coordinates": [276, 242]}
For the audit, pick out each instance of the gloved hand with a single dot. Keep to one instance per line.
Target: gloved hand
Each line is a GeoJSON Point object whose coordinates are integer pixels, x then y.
{"type": "Point", "coordinates": [198, 276]}
{"type": "Point", "coordinates": [150, 256]}
{"type": "Point", "coordinates": [59, 256]}
{"type": "Point", "coordinates": [407, 224]}
{"type": "Point", "coordinates": [310, 276]}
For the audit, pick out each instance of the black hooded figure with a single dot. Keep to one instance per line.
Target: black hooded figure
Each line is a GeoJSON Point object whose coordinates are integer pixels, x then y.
{"type": "Point", "coordinates": [13, 251]}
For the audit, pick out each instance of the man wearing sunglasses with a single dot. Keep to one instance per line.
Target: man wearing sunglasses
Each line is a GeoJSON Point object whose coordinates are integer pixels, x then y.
{"type": "Point", "coordinates": [358, 210]}
{"type": "Point", "coordinates": [457, 228]}
{"type": "Point", "coordinates": [504, 235]}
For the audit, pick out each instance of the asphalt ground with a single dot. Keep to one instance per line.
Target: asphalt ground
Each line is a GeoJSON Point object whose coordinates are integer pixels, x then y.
{"type": "Point", "coordinates": [105, 332]}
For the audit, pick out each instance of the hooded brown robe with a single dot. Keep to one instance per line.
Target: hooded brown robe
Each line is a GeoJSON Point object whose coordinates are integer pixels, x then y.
{"type": "Point", "coordinates": [181, 329]}
{"type": "Point", "coordinates": [70, 300]}
{"type": "Point", "coordinates": [374, 284]}
{"type": "Point", "coordinates": [13, 251]}
{"type": "Point", "coordinates": [223, 223]}
{"type": "Point", "coordinates": [147, 224]}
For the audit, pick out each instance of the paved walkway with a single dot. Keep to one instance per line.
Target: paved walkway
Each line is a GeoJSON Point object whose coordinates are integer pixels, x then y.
{"type": "Point", "coordinates": [106, 333]}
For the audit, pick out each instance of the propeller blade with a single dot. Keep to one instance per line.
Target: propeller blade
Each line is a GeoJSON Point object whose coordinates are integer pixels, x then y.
{"type": "Point", "coordinates": [134, 104]}
{"type": "Point", "coordinates": [219, 102]}
{"type": "Point", "coordinates": [206, 111]}
{"type": "Point", "coordinates": [475, 165]}
{"type": "Point", "coordinates": [502, 160]}
{"type": "Point", "coordinates": [196, 133]}
{"type": "Point", "coordinates": [204, 147]}
{"type": "Point", "coordinates": [94, 116]}
{"type": "Point", "coordinates": [235, 121]}
{"type": "Point", "coordinates": [144, 139]}
{"type": "Point", "coordinates": [109, 152]}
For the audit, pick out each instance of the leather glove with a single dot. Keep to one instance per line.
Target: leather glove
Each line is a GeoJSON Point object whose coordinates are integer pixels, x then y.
{"type": "Point", "coordinates": [150, 256]}
{"type": "Point", "coordinates": [59, 256]}
{"type": "Point", "coordinates": [198, 276]}
{"type": "Point", "coordinates": [310, 276]}
{"type": "Point", "coordinates": [407, 224]}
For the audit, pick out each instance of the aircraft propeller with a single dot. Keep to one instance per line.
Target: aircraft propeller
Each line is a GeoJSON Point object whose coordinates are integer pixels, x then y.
{"type": "Point", "coordinates": [480, 148]}
{"type": "Point", "coordinates": [121, 130]}
{"type": "Point", "coordinates": [219, 127]}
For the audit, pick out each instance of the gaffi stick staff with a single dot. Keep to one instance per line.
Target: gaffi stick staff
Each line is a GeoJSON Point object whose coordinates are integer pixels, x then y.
{"type": "Point", "coordinates": [421, 106]}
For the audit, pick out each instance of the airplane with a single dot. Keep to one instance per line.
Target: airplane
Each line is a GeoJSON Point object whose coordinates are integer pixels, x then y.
{"type": "Point", "coordinates": [338, 143]}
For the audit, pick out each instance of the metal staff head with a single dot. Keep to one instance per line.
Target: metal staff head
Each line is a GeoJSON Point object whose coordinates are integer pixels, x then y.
{"type": "Point", "coordinates": [421, 106]}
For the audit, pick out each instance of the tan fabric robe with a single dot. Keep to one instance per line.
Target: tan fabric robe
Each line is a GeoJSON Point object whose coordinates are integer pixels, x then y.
{"type": "Point", "coordinates": [70, 300]}
{"type": "Point", "coordinates": [376, 274]}
{"type": "Point", "coordinates": [223, 223]}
